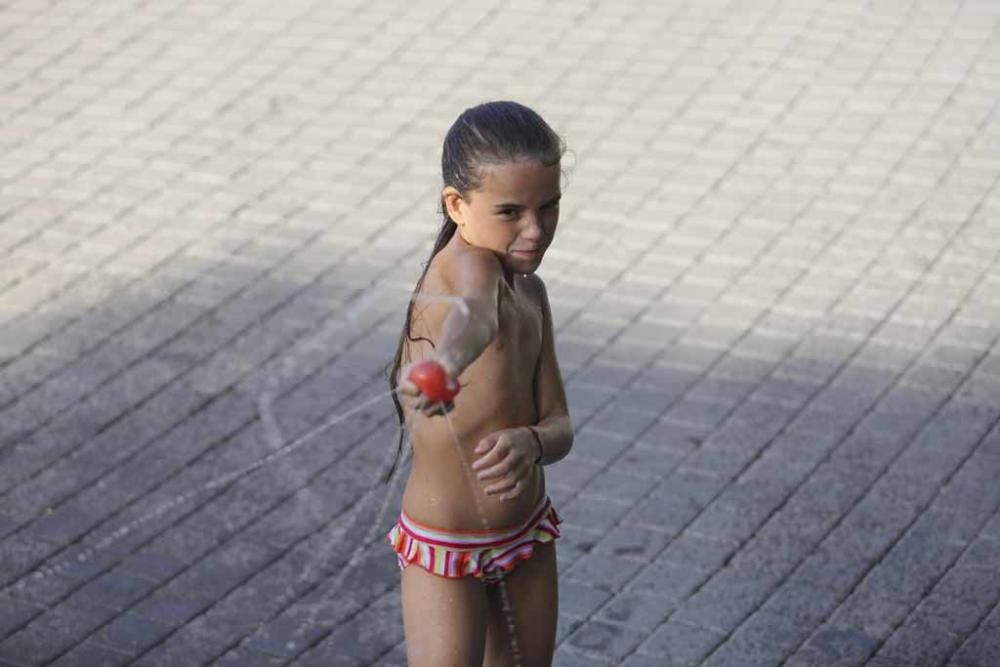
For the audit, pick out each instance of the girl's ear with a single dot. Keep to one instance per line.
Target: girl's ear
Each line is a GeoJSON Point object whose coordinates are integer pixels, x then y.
{"type": "Point", "coordinates": [453, 204]}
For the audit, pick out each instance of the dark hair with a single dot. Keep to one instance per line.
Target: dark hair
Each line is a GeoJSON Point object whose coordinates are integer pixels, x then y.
{"type": "Point", "coordinates": [489, 134]}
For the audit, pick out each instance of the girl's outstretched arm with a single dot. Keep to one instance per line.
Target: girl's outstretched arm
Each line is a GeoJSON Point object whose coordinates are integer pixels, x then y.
{"type": "Point", "coordinates": [471, 324]}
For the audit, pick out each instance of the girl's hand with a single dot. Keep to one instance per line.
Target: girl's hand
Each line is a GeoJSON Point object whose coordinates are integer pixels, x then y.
{"type": "Point", "coordinates": [506, 456]}
{"type": "Point", "coordinates": [422, 403]}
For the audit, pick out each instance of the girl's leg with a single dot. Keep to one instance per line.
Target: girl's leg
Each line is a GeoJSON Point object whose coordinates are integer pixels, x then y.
{"type": "Point", "coordinates": [444, 620]}
{"type": "Point", "coordinates": [533, 593]}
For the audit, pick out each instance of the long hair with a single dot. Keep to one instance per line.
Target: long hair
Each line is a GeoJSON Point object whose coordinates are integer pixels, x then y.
{"type": "Point", "coordinates": [489, 134]}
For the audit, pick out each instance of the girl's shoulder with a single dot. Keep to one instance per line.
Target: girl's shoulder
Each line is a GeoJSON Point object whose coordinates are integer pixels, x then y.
{"type": "Point", "coordinates": [460, 266]}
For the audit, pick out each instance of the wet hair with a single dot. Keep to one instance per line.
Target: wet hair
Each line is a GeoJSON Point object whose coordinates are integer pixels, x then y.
{"type": "Point", "coordinates": [489, 134]}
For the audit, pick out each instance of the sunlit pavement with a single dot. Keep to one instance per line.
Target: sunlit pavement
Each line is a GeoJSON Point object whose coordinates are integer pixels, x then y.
{"type": "Point", "coordinates": [775, 284]}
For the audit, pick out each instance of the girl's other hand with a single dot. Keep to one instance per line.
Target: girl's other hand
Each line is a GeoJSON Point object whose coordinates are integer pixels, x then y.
{"type": "Point", "coordinates": [506, 456]}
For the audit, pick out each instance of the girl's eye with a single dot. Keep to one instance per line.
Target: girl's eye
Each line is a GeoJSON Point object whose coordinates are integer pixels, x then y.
{"type": "Point", "coordinates": [508, 212]}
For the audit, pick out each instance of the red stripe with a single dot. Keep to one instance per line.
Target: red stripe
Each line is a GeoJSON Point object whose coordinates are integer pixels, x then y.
{"type": "Point", "coordinates": [502, 554]}
{"type": "Point", "coordinates": [503, 562]}
{"type": "Point", "coordinates": [477, 545]}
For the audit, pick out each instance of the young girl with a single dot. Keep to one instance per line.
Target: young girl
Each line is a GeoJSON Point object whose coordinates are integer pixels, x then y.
{"type": "Point", "coordinates": [475, 537]}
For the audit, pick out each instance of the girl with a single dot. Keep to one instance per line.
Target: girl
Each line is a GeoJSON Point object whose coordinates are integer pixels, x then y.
{"type": "Point", "coordinates": [475, 537]}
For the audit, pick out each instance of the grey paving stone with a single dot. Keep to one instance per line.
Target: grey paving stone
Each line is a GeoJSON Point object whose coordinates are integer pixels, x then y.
{"type": "Point", "coordinates": [619, 486]}
{"type": "Point", "coordinates": [594, 512]}
{"type": "Point", "coordinates": [725, 524]}
{"type": "Point", "coordinates": [805, 605]}
{"type": "Point", "coordinates": [624, 424]}
{"type": "Point", "coordinates": [301, 625]}
{"type": "Point", "coordinates": [652, 462]}
{"type": "Point", "coordinates": [153, 564]}
{"type": "Point", "coordinates": [717, 461]}
{"type": "Point", "coordinates": [641, 660]}
{"type": "Point", "coordinates": [115, 590]}
{"type": "Point", "coordinates": [566, 625]}
{"type": "Point", "coordinates": [971, 490]}
{"type": "Point", "coordinates": [371, 633]}
{"type": "Point", "coordinates": [169, 609]}
{"type": "Point", "coordinates": [980, 649]}
{"type": "Point", "coordinates": [666, 510]}
{"type": "Point", "coordinates": [764, 639]}
{"type": "Point", "coordinates": [609, 376]}
{"type": "Point", "coordinates": [603, 570]}
{"type": "Point", "coordinates": [681, 643]}
{"type": "Point", "coordinates": [984, 552]}
{"type": "Point", "coordinates": [633, 542]}
{"type": "Point", "coordinates": [991, 529]}
{"type": "Point", "coordinates": [742, 367]}
{"type": "Point", "coordinates": [636, 610]}
{"type": "Point", "coordinates": [833, 645]}
{"type": "Point", "coordinates": [921, 640]}
{"type": "Point", "coordinates": [698, 412]}
{"type": "Point", "coordinates": [566, 656]}
{"type": "Point", "coordinates": [131, 634]}
{"type": "Point", "coordinates": [607, 639]}
{"type": "Point", "coordinates": [240, 657]}
{"type": "Point", "coordinates": [790, 391]}
{"type": "Point", "coordinates": [572, 473]}
{"type": "Point", "coordinates": [49, 635]}
{"type": "Point", "coordinates": [722, 389]}
{"type": "Point", "coordinates": [91, 655]}
{"type": "Point", "coordinates": [670, 581]}
{"type": "Point", "coordinates": [698, 552]}
{"type": "Point", "coordinates": [641, 397]}
{"type": "Point", "coordinates": [830, 569]}
{"type": "Point", "coordinates": [328, 657]}
{"type": "Point", "coordinates": [871, 612]}
{"type": "Point", "coordinates": [724, 600]}
{"type": "Point", "coordinates": [960, 584]}
{"type": "Point", "coordinates": [578, 598]}
{"type": "Point", "coordinates": [666, 434]}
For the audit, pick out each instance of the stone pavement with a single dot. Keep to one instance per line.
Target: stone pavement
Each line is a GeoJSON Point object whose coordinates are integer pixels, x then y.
{"type": "Point", "coordinates": [775, 285]}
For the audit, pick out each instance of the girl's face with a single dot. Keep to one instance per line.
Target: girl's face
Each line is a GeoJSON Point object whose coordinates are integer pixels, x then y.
{"type": "Point", "coordinates": [514, 212]}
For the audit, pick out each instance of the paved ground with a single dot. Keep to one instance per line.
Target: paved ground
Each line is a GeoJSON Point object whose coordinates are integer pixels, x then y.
{"type": "Point", "coordinates": [776, 288]}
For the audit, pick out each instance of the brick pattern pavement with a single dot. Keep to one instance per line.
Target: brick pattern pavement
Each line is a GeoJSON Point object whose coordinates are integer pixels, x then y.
{"type": "Point", "coordinates": [775, 285]}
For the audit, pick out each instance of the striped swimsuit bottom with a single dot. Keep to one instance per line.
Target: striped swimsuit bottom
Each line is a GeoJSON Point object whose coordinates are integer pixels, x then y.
{"type": "Point", "coordinates": [488, 555]}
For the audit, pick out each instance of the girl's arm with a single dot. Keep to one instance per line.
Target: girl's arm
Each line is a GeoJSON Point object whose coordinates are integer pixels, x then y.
{"type": "Point", "coordinates": [507, 456]}
{"type": "Point", "coordinates": [467, 331]}
{"type": "Point", "coordinates": [554, 428]}
{"type": "Point", "coordinates": [470, 325]}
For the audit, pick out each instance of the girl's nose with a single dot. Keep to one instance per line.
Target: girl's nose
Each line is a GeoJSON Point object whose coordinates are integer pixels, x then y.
{"type": "Point", "coordinates": [533, 228]}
